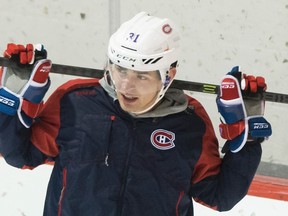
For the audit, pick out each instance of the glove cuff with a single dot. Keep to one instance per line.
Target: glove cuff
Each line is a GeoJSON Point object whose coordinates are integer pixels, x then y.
{"type": "Point", "coordinates": [259, 127]}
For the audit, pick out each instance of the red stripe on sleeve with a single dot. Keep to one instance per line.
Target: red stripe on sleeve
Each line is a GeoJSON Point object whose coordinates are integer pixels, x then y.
{"type": "Point", "coordinates": [209, 161]}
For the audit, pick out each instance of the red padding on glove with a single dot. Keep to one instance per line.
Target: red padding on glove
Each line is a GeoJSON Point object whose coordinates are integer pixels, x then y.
{"type": "Point", "coordinates": [229, 89]}
{"type": "Point", "coordinates": [26, 54]}
{"type": "Point", "coordinates": [261, 82]}
{"type": "Point", "coordinates": [13, 49]}
{"type": "Point", "coordinates": [31, 109]}
{"type": "Point", "coordinates": [41, 73]}
{"type": "Point", "coordinates": [250, 83]}
{"type": "Point", "coordinates": [23, 58]}
{"type": "Point", "coordinates": [253, 86]}
{"type": "Point", "coordinates": [230, 131]}
{"type": "Point", "coordinates": [254, 83]}
{"type": "Point", "coordinates": [30, 52]}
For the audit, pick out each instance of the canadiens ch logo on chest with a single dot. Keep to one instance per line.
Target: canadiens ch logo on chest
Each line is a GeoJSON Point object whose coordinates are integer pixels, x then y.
{"type": "Point", "coordinates": [162, 139]}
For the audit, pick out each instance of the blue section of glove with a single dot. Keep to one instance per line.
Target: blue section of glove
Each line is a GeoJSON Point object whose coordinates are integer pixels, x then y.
{"type": "Point", "coordinates": [26, 120]}
{"type": "Point", "coordinates": [231, 113]}
{"type": "Point", "coordinates": [9, 103]}
{"type": "Point", "coordinates": [234, 70]}
{"type": "Point", "coordinates": [36, 94]}
{"type": "Point", "coordinates": [259, 127]}
{"type": "Point", "coordinates": [237, 143]}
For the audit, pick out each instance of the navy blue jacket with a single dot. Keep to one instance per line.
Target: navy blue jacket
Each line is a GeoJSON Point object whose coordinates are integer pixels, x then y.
{"type": "Point", "coordinates": [107, 163]}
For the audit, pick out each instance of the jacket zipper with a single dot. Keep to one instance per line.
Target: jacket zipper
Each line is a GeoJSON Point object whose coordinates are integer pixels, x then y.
{"type": "Point", "coordinates": [106, 159]}
{"type": "Point", "coordinates": [64, 178]}
{"type": "Point", "coordinates": [125, 173]}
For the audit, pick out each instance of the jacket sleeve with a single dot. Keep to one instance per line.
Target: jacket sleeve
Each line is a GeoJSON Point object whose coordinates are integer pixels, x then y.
{"type": "Point", "coordinates": [15, 145]}
{"type": "Point", "coordinates": [24, 147]}
{"type": "Point", "coordinates": [220, 183]}
{"type": "Point", "coordinates": [29, 147]}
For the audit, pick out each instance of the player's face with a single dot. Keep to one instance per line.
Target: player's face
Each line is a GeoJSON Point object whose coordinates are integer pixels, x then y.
{"type": "Point", "coordinates": [136, 90]}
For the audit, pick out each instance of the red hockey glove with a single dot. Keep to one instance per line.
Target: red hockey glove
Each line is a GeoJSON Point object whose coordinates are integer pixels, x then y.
{"type": "Point", "coordinates": [24, 84]}
{"type": "Point", "coordinates": [25, 55]}
{"type": "Point", "coordinates": [242, 119]}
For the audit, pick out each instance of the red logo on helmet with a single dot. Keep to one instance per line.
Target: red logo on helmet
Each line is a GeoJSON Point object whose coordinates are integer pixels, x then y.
{"type": "Point", "coordinates": [162, 139]}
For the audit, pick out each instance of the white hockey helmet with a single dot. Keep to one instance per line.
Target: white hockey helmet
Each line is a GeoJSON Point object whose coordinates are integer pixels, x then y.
{"type": "Point", "coordinates": [146, 43]}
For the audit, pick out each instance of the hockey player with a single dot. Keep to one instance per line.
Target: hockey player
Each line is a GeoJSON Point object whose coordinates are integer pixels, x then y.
{"type": "Point", "coordinates": [128, 144]}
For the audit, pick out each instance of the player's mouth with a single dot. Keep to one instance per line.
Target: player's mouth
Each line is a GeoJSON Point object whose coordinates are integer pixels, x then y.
{"type": "Point", "coordinates": [129, 98]}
